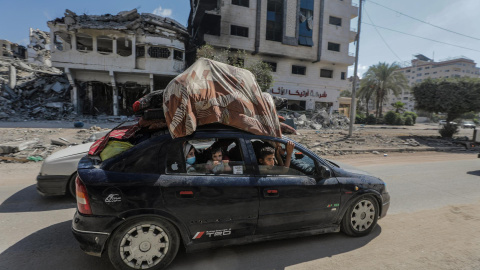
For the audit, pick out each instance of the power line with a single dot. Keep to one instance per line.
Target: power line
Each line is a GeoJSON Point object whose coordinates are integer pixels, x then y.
{"type": "Point", "coordinates": [439, 27]}
{"type": "Point", "coordinates": [388, 46]}
{"type": "Point", "coordinates": [422, 37]}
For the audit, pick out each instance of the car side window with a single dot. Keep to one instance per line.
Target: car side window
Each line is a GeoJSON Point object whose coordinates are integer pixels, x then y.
{"type": "Point", "coordinates": [271, 159]}
{"type": "Point", "coordinates": [211, 156]}
{"type": "Point", "coordinates": [146, 159]}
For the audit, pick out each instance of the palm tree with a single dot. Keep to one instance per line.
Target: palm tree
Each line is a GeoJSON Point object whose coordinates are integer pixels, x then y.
{"type": "Point", "coordinates": [366, 92]}
{"type": "Point", "coordinates": [384, 80]}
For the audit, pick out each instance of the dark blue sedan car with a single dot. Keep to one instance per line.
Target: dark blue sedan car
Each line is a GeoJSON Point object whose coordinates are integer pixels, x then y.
{"type": "Point", "coordinates": [142, 205]}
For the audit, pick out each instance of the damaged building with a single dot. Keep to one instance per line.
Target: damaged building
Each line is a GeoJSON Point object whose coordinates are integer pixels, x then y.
{"type": "Point", "coordinates": [113, 60]}
{"type": "Point", "coordinates": [39, 47]}
{"type": "Point", "coordinates": [12, 50]}
{"type": "Point", "coordinates": [306, 43]}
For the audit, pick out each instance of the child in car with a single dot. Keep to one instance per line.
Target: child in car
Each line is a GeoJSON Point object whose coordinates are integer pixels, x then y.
{"type": "Point", "coordinates": [217, 164]}
{"type": "Point", "coordinates": [267, 159]}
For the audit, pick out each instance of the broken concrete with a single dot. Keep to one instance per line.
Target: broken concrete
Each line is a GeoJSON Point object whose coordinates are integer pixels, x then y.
{"type": "Point", "coordinates": [14, 147]}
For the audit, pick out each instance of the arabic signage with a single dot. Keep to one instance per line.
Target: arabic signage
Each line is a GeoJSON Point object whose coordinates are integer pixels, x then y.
{"type": "Point", "coordinates": [300, 93]}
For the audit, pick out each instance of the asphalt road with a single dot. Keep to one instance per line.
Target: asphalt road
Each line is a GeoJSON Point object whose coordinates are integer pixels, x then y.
{"type": "Point", "coordinates": [35, 231]}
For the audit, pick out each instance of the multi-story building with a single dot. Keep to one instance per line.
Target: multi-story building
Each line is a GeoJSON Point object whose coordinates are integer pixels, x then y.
{"type": "Point", "coordinates": [112, 60]}
{"type": "Point", "coordinates": [306, 42]}
{"type": "Point", "coordinates": [423, 67]}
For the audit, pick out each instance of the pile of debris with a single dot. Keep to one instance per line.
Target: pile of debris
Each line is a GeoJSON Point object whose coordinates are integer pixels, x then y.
{"type": "Point", "coordinates": [38, 49]}
{"type": "Point", "coordinates": [144, 23]}
{"type": "Point", "coordinates": [24, 145]}
{"type": "Point", "coordinates": [32, 92]}
{"type": "Point", "coordinates": [317, 120]}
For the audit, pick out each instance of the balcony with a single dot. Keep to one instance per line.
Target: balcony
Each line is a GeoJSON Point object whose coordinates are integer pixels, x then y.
{"type": "Point", "coordinates": [338, 57]}
{"type": "Point", "coordinates": [354, 11]}
{"type": "Point", "coordinates": [352, 35]}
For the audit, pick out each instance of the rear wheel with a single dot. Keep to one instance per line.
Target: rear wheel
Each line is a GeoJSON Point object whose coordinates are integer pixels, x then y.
{"type": "Point", "coordinates": [71, 185]}
{"type": "Point", "coordinates": [144, 243]}
{"type": "Point", "coordinates": [361, 217]}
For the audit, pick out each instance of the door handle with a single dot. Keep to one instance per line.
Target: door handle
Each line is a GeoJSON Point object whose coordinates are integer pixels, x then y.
{"type": "Point", "coordinates": [185, 194]}
{"type": "Point", "coordinates": [270, 193]}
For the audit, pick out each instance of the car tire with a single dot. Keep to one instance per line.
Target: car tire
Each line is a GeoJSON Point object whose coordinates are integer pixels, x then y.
{"type": "Point", "coordinates": [71, 186]}
{"type": "Point", "coordinates": [154, 242]}
{"type": "Point", "coordinates": [361, 217]}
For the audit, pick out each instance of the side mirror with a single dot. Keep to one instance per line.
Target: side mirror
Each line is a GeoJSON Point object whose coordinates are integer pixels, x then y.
{"type": "Point", "coordinates": [323, 171]}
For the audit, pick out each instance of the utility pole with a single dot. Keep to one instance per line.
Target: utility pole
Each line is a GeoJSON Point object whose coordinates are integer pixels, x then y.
{"type": "Point", "coordinates": [354, 82]}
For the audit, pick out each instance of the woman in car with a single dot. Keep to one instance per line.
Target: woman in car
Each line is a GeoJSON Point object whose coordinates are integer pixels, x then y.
{"type": "Point", "coordinates": [189, 152]}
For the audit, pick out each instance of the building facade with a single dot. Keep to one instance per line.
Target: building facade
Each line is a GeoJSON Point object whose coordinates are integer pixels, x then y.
{"type": "Point", "coordinates": [12, 50]}
{"type": "Point", "coordinates": [112, 60]}
{"type": "Point", "coordinates": [423, 68]}
{"type": "Point", "coordinates": [306, 42]}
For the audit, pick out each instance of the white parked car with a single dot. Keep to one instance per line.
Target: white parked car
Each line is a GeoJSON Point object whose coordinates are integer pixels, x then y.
{"type": "Point", "coordinates": [59, 170]}
{"type": "Point", "coordinates": [468, 124]}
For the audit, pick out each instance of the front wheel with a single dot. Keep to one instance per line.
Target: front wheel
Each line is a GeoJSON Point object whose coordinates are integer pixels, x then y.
{"type": "Point", "coordinates": [361, 217]}
{"type": "Point", "coordinates": [143, 243]}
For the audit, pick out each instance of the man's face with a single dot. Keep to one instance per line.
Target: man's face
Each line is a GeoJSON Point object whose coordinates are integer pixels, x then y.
{"type": "Point", "coordinates": [268, 160]}
{"type": "Point", "coordinates": [217, 156]}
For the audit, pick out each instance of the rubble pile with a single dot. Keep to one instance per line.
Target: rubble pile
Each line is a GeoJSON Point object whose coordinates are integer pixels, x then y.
{"type": "Point", "coordinates": [23, 145]}
{"type": "Point", "coordinates": [144, 23]}
{"type": "Point", "coordinates": [38, 50]}
{"type": "Point", "coordinates": [29, 91]}
{"type": "Point", "coordinates": [317, 120]}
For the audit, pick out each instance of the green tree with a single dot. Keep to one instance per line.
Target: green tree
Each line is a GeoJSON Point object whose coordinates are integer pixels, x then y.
{"type": "Point", "coordinates": [384, 80]}
{"type": "Point", "coordinates": [366, 92]}
{"type": "Point", "coordinates": [261, 70]}
{"type": "Point", "coordinates": [345, 93]}
{"type": "Point", "coordinates": [454, 97]}
{"type": "Point", "coordinates": [398, 106]}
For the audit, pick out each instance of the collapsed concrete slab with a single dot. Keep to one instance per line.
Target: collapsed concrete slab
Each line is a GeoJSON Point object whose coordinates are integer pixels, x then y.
{"type": "Point", "coordinates": [14, 147]}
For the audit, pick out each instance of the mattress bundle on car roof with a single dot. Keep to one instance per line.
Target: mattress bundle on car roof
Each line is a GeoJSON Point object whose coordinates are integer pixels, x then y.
{"type": "Point", "coordinates": [207, 92]}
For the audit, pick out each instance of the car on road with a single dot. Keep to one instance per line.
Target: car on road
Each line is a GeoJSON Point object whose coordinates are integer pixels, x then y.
{"type": "Point", "coordinates": [468, 124]}
{"type": "Point", "coordinates": [444, 122]}
{"type": "Point", "coordinates": [142, 205]}
{"type": "Point", "coordinates": [59, 170]}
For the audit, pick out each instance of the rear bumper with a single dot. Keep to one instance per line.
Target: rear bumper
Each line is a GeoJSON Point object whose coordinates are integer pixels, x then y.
{"type": "Point", "coordinates": [92, 232]}
{"type": "Point", "coordinates": [52, 185]}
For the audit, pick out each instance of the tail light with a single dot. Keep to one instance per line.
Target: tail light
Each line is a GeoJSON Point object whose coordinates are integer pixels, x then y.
{"type": "Point", "coordinates": [83, 204]}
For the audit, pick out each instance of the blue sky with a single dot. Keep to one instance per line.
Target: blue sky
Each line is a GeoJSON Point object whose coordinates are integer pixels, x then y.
{"type": "Point", "coordinates": [16, 17]}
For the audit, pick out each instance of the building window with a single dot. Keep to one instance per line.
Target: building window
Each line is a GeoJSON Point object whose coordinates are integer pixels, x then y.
{"type": "Point", "coordinates": [272, 65]}
{"type": "Point", "coordinates": [62, 41]}
{"type": "Point", "coordinates": [408, 70]}
{"type": "Point", "coordinates": [104, 44]}
{"type": "Point", "coordinates": [427, 67]}
{"type": "Point", "coordinates": [158, 52]}
{"type": "Point", "coordinates": [333, 46]}
{"type": "Point", "coordinates": [274, 20]}
{"type": "Point", "coordinates": [447, 70]}
{"type": "Point", "coordinates": [419, 74]}
{"type": "Point", "coordinates": [306, 23]}
{"type": "Point", "coordinates": [335, 21]}
{"type": "Point", "coordinates": [326, 73]}
{"type": "Point", "coordinates": [178, 55]}
{"type": "Point", "coordinates": [124, 47]}
{"type": "Point", "coordinates": [140, 50]}
{"type": "Point", "coordinates": [243, 3]}
{"type": "Point", "coordinates": [342, 76]}
{"type": "Point", "coordinates": [419, 68]}
{"type": "Point", "coordinates": [84, 42]}
{"type": "Point", "coordinates": [300, 70]}
{"type": "Point", "coordinates": [238, 31]}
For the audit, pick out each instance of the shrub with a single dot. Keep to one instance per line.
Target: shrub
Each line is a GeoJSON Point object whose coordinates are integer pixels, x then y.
{"type": "Point", "coordinates": [360, 119]}
{"type": "Point", "coordinates": [371, 120]}
{"type": "Point", "coordinates": [399, 120]}
{"type": "Point", "coordinates": [448, 130]}
{"type": "Point", "coordinates": [409, 120]}
{"type": "Point", "coordinates": [390, 117]}
{"type": "Point", "coordinates": [412, 115]}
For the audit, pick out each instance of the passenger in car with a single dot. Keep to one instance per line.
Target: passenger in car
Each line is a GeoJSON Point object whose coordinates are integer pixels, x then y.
{"type": "Point", "coordinates": [266, 159]}
{"type": "Point", "coordinates": [189, 152]}
{"type": "Point", "coordinates": [217, 164]}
